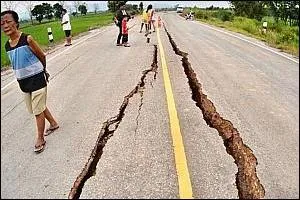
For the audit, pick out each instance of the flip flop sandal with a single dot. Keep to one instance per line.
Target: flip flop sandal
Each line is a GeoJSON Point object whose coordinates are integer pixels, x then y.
{"type": "Point", "coordinates": [40, 148]}
{"type": "Point", "coordinates": [50, 130]}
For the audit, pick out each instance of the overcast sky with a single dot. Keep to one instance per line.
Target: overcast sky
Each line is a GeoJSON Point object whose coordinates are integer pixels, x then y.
{"type": "Point", "coordinates": [23, 13]}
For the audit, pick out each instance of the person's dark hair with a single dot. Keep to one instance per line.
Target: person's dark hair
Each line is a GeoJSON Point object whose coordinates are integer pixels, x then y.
{"type": "Point", "coordinates": [13, 14]}
{"type": "Point", "coordinates": [149, 7]}
{"type": "Point", "coordinates": [122, 6]}
{"type": "Point", "coordinates": [64, 10]}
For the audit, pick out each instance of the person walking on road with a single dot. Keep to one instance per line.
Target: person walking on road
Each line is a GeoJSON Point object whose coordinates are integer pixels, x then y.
{"type": "Point", "coordinates": [144, 20]}
{"type": "Point", "coordinates": [150, 12]}
{"type": "Point", "coordinates": [121, 13]}
{"type": "Point", "coordinates": [66, 25]}
{"type": "Point", "coordinates": [29, 65]}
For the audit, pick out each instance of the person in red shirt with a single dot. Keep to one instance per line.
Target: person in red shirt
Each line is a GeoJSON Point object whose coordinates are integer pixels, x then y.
{"type": "Point", "coordinates": [125, 32]}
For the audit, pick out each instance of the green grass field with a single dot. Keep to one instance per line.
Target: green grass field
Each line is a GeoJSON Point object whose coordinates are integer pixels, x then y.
{"type": "Point", "coordinates": [39, 32]}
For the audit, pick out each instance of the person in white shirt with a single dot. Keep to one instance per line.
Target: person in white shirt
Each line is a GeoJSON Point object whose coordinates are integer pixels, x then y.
{"type": "Point", "coordinates": [66, 25]}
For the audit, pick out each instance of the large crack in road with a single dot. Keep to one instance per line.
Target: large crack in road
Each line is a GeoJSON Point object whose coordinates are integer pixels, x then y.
{"type": "Point", "coordinates": [141, 91]}
{"type": "Point", "coordinates": [247, 182]}
{"type": "Point", "coordinates": [107, 130]}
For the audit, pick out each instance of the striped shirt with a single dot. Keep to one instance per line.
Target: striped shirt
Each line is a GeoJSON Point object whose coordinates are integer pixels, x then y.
{"type": "Point", "coordinates": [27, 68]}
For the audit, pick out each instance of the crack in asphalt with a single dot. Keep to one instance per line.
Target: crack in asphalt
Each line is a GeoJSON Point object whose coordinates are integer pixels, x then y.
{"type": "Point", "coordinates": [141, 91]}
{"type": "Point", "coordinates": [139, 110]}
{"type": "Point", "coordinates": [106, 132]}
{"type": "Point", "coordinates": [247, 182]}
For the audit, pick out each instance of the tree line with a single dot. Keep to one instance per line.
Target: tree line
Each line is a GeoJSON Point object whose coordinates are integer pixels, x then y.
{"type": "Point", "coordinates": [113, 6]}
{"type": "Point", "coordinates": [286, 11]}
{"type": "Point", "coordinates": [46, 11]}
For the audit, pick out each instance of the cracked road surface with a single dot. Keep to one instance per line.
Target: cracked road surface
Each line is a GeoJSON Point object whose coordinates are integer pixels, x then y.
{"type": "Point", "coordinates": [95, 81]}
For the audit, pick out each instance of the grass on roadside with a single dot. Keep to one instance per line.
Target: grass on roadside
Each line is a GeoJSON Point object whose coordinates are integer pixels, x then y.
{"type": "Point", "coordinates": [278, 35]}
{"type": "Point", "coordinates": [39, 32]}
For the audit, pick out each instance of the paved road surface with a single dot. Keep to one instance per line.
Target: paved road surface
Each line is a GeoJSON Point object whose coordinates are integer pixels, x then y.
{"type": "Point", "coordinates": [255, 88]}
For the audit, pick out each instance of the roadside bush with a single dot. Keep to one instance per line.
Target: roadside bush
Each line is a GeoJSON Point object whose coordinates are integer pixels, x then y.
{"type": "Point", "coordinates": [279, 34]}
{"type": "Point", "coordinates": [270, 20]}
{"type": "Point", "coordinates": [288, 34]}
{"type": "Point", "coordinates": [213, 14]}
{"type": "Point", "coordinates": [271, 37]}
{"type": "Point", "coordinates": [278, 27]}
{"type": "Point", "coordinates": [249, 25]}
{"type": "Point", "coordinates": [224, 15]}
{"type": "Point", "coordinates": [185, 11]}
{"type": "Point", "coordinates": [199, 14]}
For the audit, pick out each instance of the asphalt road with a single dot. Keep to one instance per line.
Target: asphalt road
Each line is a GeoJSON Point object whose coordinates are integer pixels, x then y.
{"type": "Point", "coordinates": [253, 86]}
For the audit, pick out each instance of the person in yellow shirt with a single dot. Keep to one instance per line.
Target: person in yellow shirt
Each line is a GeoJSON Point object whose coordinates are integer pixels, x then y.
{"type": "Point", "coordinates": [151, 20]}
{"type": "Point", "coordinates": [144, 20]}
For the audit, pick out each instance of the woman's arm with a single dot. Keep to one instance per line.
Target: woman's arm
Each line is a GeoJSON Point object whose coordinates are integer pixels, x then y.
{"type": "Point", "coordinates": [36, 50]}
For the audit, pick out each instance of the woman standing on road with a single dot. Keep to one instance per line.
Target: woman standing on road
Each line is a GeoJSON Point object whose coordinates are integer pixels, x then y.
{"type": "Point", "coordinates": [29, 65]}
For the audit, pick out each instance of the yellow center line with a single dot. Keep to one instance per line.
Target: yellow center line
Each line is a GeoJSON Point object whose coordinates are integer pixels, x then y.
{"type": "Point", "coordinates": [185, 187]}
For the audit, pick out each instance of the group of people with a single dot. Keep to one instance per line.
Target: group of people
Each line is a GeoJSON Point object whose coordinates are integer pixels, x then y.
{"type": "Point", "coordinates": [28, 62]}
{"type": "Point", "coordinates": [121, 20]}
{"type": "Point", "coordinates": [148, 20]}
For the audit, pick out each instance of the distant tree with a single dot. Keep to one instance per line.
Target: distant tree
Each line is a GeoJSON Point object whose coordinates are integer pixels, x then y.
{"type": "Point", "coordinates": [29, 6]}
{"type": "Point", "coordinates": [76, 4]}
{"type": "Point", "coordinates": [250, 9]}
{"type": "Point", "coordinates": [82, 8]}
{"type": "Point", "coordinates": [38, 12]}
{"type": "Point", "coordinates": [62, 3]}
{"type": "Point", "coordinates": [96, 7]}
{"type": "Point", "coordinates": [113, 6]}
{"type": "Point", "coordinates": [210, 7]}
{"type": "Point", "coordinates": [284, 10]}
{"type": "Point", "coordinates": [294, 12]}
{"type": "Point", "coordinates": [48, 10]}
{"type": "Point", "coordinates": [42, 11]}
{"type": "Point", "coordinates": [141, 6]}
{"type": "Point", "coordinates": [57, 10]}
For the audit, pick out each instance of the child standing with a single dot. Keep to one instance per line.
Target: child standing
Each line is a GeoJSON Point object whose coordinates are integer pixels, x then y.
{"type": "Point", "coordinates": [125, 32]}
